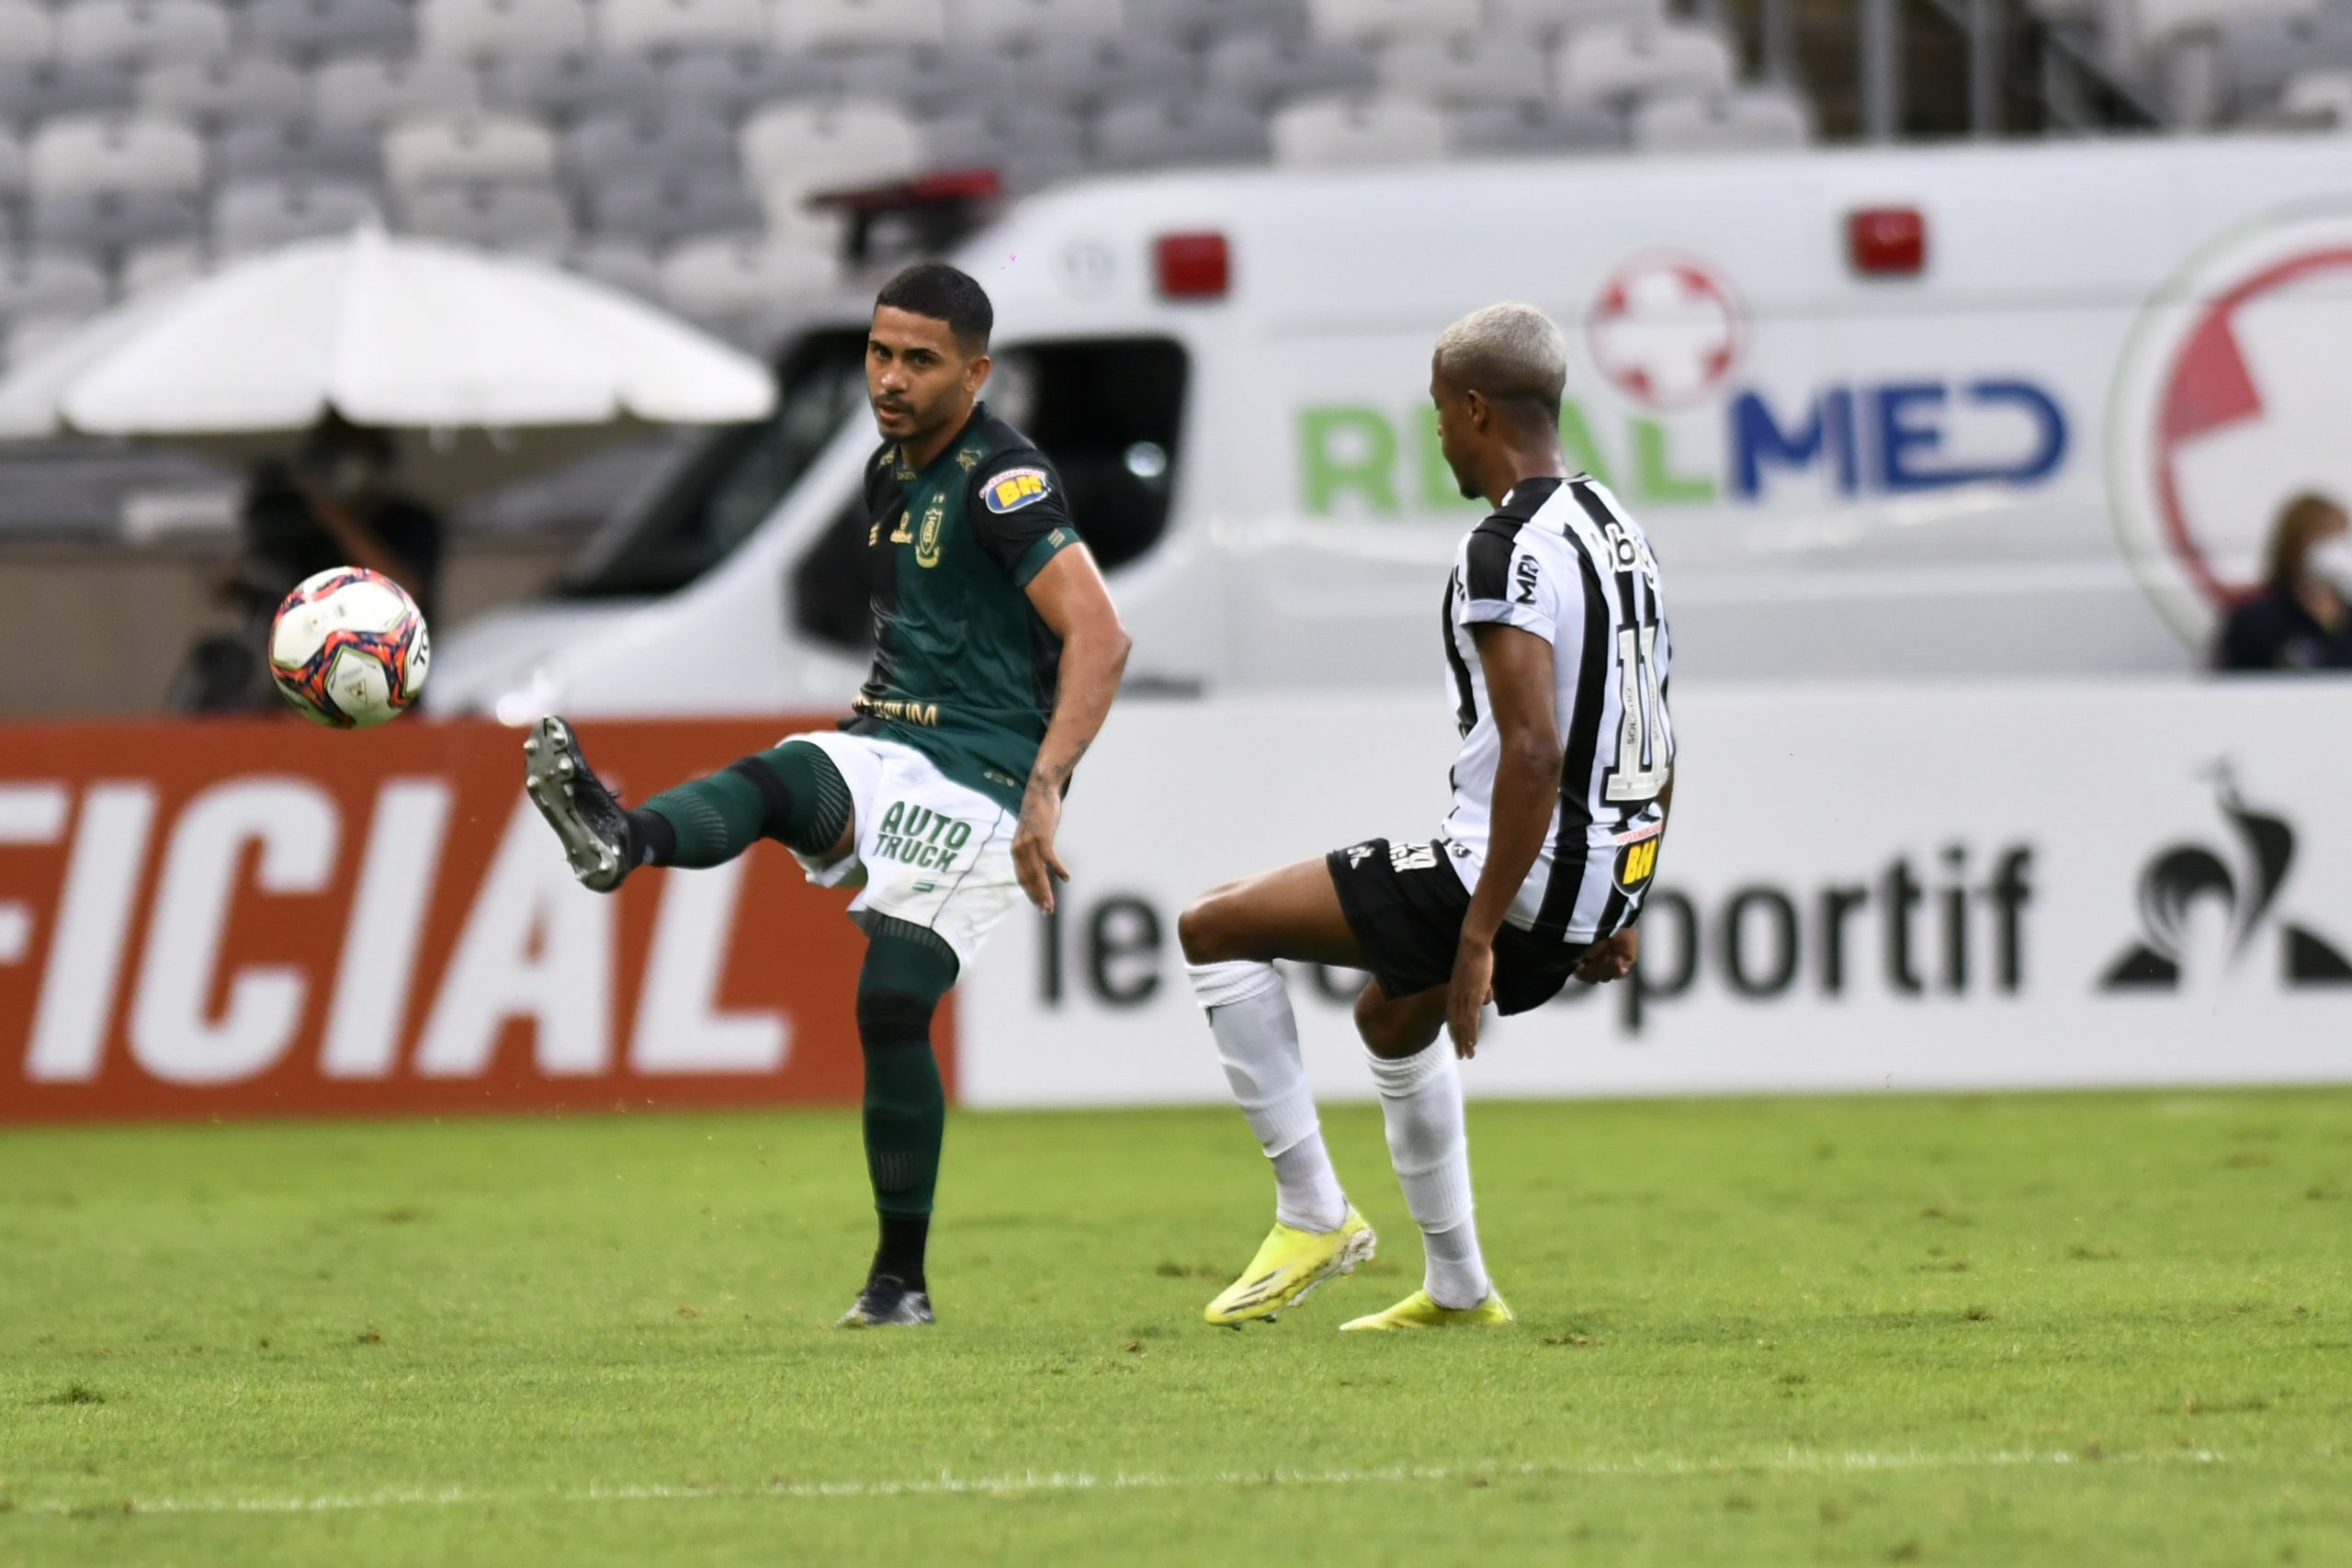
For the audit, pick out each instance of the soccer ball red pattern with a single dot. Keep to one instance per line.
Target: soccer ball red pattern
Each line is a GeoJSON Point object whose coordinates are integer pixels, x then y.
{"type": "Point", "coordinates": [348, 648]}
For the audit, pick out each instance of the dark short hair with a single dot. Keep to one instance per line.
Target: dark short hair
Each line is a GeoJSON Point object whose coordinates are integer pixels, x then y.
{"type": "Point", "coordinates": [944, 294]}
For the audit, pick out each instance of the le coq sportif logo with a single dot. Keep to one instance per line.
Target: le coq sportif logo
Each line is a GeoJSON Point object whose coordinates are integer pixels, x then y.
{"type": "Point", "coordinates": [2208, 906]}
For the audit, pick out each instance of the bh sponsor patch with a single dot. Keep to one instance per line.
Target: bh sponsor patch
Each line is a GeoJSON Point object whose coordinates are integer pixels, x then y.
{"type": "Point", "coordinates": [1637, 862]}
{"type": "Point", "coordinates": [1015, 488]}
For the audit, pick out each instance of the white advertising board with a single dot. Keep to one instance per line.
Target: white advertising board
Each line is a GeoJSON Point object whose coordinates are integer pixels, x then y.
{"type": "Point", "coordinates": [1914, 889]}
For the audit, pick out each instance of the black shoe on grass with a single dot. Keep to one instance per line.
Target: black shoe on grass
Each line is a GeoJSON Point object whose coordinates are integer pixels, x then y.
{"type": "Point", "coordinates": [885, 1304]}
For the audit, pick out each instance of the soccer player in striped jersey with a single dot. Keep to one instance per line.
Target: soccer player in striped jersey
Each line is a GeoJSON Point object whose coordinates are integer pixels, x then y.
{"type": "Point", "coordinates": [1556, 646]}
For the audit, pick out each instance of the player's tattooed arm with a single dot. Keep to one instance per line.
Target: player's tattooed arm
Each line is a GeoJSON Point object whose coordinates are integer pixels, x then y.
{"type": "Point", "coordinates": [1070, 598]}
{"type": "Point", "coordinates": [1518, 666]}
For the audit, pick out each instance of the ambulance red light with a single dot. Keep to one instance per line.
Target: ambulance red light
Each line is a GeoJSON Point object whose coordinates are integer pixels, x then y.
{"type": "Point", "coordinates": [1887, 241]}
{"type": "Point", "coordinates": [1193, 266]}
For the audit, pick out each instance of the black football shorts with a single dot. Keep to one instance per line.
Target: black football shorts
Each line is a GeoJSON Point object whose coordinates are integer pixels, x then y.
{"type": "Point", "coordinates": [1406, 907]}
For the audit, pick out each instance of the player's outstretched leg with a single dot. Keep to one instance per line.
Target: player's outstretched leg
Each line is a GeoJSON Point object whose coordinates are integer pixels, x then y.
{"type": "Point", "coordinates": [1229, 938]}
{"type": "Point", "coordinates": [1420, 1100]}
{"type": "Point", "coordinates": [792, 793]}
{"type": "Point", "coordinates": [908, 969]}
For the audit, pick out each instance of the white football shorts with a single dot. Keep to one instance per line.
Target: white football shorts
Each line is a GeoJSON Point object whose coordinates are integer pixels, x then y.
{"type": "Point", "coordinates": [930, 851]}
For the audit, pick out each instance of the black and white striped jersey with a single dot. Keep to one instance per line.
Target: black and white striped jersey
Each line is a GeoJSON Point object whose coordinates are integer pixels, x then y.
{"type": "Point", "coordinates": [1562, 559]}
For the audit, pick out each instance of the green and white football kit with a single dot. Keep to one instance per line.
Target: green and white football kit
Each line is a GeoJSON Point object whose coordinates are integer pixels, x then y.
{"type": "Point", "coordinates": [948, 723]}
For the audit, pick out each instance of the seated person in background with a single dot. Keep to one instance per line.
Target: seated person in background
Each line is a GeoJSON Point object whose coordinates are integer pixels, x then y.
{"type": "Point", "coordinates": [331, 504]}
{"type": "Point", "coordinates": [2298, 618]}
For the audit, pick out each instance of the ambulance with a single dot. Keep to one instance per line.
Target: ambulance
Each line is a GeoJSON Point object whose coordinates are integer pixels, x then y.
{"type": "Point", "coordinates": [2014, 411]}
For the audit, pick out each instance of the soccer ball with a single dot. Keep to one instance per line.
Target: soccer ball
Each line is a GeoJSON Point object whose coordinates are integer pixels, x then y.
{"type": "Point", "coordinates": [348, 648]}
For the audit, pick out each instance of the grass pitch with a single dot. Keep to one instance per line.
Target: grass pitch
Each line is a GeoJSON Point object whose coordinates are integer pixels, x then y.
{"type": "Point", "coordinates": [2062, 1330]}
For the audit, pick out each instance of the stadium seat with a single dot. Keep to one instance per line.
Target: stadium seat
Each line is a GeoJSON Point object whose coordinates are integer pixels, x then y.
{"type": "Point", "coordinates": [1598, 62]}
{"type": "Point", "coordinates": [2318, 100]}
{"type": "Point", "coordinates": [621, 264]}
{"type": "Point", "coordinates": [259, 215]}
{"type": "Point", "coordinates": [49, 283]}
{"type": "Point", "coordinates": [1002, 138]}
{"type": "Point", "coordinates": [1761, 119]}
{"type": "Point", "coordinates": [307, 30]}
{"type": "Point", "coordinates": [1197, 23]}
{"type": "Point", "coordinates": [740, 281]}
{"type": "Point", "coordinates": [1260, 68]}
{"type": "Point", "coordinates": [566, 86]}
{"type": "Point", "coordinates": [161, 263]}
{"type": "Point", "coordinates": [2260, 53]}
{"type": "Point", "coordinates": [792, 149]}
{"type": "Point", "coordinates": [732, 82]}
{"type": "Point", "coordinates": [480, 30]}
{"type": "Point", "coordinates": [114, 152]}
{"type": "Point", "coordinates": [659, 212]}
{"type": "Point", "coordinates": [1190, 131]}
{"type": "Point", "coordinates": [1027, 24]}
{"type": "Point", "coordinates": [1080, 73]}
{"type": "Point", "coordinates": [207, 92]}
{"type": "Point", "coordinates": [107, 220]}
{"type": "Point", "coordinates": [34, 90]}
{"type": "Point", "coordinates": [467, 149]}
{"type": "Point", "coordinates": [1546, 20]}
{"type": "Point", "coordinates": [141, 32]}
{"type": "Point", "coordinates": [27, 31]}
{"type": "Point", "coordinates": [1471, 69]}
{"type": "Point", "coordinates": [1540, 127]}
{"type": "Point", "coordinates": [679, 142]}
{"type": "Point", "coordinates": [373, 92]}
{"type": "Point", "coordinates": [941, 81]}
{"type": "Point", "coordinates": [294, 145]}
{"type": "Point", "coordinates": [834, 25]}
{"type": "Point", "coordinates": [653, 25]}
{"type": "Point", "coordinates": [532, 219]}
{"type": "Point", "coordinates": [1376, 21]}
{"type": "Point", "coordinates": [1357, 130]}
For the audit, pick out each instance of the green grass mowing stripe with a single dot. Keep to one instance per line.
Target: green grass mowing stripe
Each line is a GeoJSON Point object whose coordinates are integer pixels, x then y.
{"type": "Point", "coordinates": [945, 1485]}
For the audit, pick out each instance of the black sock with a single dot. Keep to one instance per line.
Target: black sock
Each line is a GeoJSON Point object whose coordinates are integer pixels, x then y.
{"type": "Point", "coordinates": [651, 840]}
{"type": "Point", "coordinates": [900, 1252]}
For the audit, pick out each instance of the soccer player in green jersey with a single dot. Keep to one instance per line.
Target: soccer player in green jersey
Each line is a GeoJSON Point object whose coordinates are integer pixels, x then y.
{"type": "Point", "coordinates": [997, 653]}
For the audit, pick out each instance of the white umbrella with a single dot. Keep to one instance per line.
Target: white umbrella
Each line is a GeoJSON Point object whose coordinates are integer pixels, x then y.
{"type": "Point", "coordinates": [507, 364]}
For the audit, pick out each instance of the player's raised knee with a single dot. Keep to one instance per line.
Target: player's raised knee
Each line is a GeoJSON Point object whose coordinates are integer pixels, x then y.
{"type": "Point", "coordinates": [1206, 929]}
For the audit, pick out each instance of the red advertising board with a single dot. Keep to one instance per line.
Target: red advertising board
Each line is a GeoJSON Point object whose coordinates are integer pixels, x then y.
{"type": "Point", "coordinates": [209, 919]}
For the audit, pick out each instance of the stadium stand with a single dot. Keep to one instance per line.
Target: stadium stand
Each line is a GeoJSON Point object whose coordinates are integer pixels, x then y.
{"type": "Point", "coordinates": [173, 134]}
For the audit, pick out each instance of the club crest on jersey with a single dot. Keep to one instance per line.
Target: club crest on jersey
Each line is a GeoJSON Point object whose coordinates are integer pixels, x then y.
{"type": "Point", "coordinates": [927, 542]}
{"type": "Point", "coordinates": [1015, 488]}
{"type": "Point", "coordinates": [1637, 862]}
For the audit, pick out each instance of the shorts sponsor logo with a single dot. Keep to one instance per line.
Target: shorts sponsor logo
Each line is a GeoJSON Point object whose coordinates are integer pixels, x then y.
{"type": "Point", "coordinates": [1412, 857]}
{"type": "Point", "coordinates": [1015, 488]}
{"type": "Point", "coordinates": [916, 835]}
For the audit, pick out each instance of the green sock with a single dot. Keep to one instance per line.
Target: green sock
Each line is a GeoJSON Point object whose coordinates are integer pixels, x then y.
{"type": "Point", "coordinates": [792, 793]}
{"type": "Point", "coordinates": [907, 970]}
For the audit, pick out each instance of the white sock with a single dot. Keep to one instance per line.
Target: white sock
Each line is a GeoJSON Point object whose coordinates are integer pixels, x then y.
{"type": "Point", "coordinates": [1257, 1039]}
{"type": "Point", "coordinates": [1420, 1097]}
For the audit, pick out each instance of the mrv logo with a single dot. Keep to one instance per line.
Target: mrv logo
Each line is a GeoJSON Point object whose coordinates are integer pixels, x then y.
{"type": "Point", "coordinates": [2204, 908]}
{"type": "Point", "coordinates": [1953, 926]}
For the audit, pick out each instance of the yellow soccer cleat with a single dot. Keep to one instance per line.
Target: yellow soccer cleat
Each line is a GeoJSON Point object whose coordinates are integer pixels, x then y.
{"type": "Point", "coordinates": [1289, 1264]}
{"type": "Point", "coordinates": [1417, 1311]}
